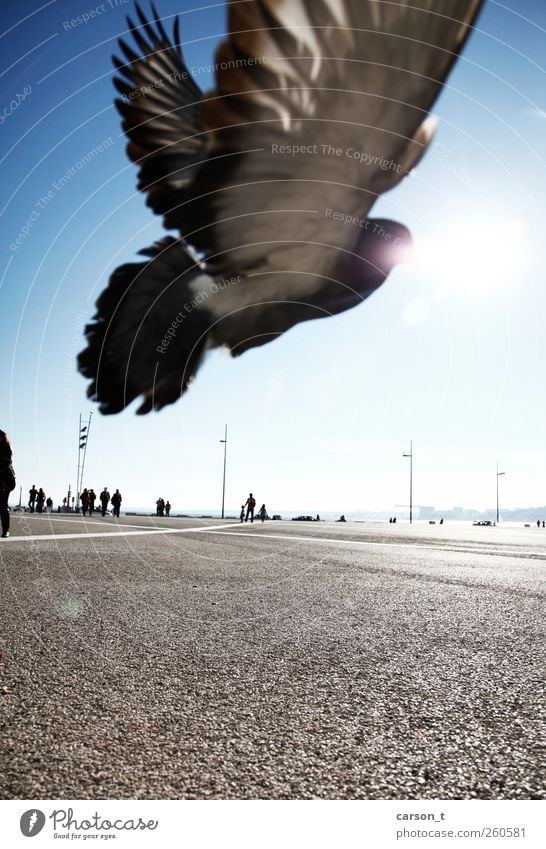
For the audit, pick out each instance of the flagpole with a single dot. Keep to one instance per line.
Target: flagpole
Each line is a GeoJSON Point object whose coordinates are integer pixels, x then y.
{"type": "Point", "coordinates": [83, 438]}
{"type": "Point", "coordinates": [85, 448]}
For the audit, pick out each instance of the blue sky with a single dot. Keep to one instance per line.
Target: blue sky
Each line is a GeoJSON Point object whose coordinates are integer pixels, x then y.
{"type": "Point", "coordinates": [449, 354]}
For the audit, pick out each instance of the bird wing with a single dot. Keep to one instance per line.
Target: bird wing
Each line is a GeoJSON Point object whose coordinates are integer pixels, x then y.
{"type": "Point", "coordinates": [161, 109]}
{"type": "Point", "coordinates": [149, 334]}
{"type": "Point", "coordinates": [320, 107]}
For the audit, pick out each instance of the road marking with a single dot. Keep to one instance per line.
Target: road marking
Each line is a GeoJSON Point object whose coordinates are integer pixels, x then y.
{"type": "Point", "coordinates": [101, 522]}
{"type": "Point", "coordinates": [221, 530]}
{"type": "Point", "coordinates": [468, 550]}
{"type": "Point", "coordinates": [120, 533]}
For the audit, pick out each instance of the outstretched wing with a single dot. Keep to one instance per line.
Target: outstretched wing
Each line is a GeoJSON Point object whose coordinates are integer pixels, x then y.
{"type": "Point", "coordinates": [321, 106]}
{"type": "Point", "coordinates": [150, 331]}
{"type": "Point", "coordinates": [161, 108]}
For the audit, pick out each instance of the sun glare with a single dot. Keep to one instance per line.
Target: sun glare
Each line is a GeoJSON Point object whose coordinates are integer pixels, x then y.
{"type": "Point", "coordinates": [477, 255]}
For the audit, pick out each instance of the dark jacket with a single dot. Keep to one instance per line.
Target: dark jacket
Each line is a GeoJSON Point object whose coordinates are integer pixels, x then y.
{"type": "Point", "coordinates": [7, 475]}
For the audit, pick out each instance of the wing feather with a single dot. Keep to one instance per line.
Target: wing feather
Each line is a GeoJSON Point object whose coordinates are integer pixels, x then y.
{"type": "Point", "coordinates": [161, 109]}
{"type": "Point", "coordinates": [337, 79]}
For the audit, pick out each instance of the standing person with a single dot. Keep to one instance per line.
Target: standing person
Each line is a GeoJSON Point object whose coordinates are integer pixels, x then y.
{"type": "Point", "coordinates": [104, 499]}
{"type": "Point", "coordinates": [7, 480]}
{"type": "Point", "coordinates": [84, 498]}
{"type": "Point", "coordinates": [262, 512]}
{"type": "Point", "coordinates": [40, 501]}
{"type": "Point", "coordinates": [32, 493]}
{"type": "Point", "coordinates": [92, 496]}
{"type": "Point", "coordinates": [250, 505]}
{"type": "Point", "coordinates": [116, 502]}
{"type": "Point", "coordinates": [242, 513]}
{"type": "Point", "coordinates": [49, 505]}
{"type": "Point", "coordinates": [168, 509]}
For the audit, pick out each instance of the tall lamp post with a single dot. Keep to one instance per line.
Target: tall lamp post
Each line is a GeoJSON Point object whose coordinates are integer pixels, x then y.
{"type": "Point", "coordinates": [224, 440]}
{"type": "Point", "coordinates": [410, 455]}
{"type": "Point", "coordinates": [498, 476]}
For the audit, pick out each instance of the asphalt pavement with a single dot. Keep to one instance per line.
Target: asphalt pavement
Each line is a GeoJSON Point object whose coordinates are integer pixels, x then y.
{"type": "Point", "coordinates": [183, 658]}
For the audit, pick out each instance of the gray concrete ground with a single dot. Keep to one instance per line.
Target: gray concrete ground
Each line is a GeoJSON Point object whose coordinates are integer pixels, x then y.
{"type": "Point", "coordinates": [282, 660]}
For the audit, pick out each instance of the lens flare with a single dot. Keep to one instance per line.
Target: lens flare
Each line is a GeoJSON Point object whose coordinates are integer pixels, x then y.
{"type": "Point", "coordinates": [478, 255]}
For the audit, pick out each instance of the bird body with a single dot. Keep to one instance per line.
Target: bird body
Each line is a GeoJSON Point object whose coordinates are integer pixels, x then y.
{"type": "Point", "coordinates": [320, 107]}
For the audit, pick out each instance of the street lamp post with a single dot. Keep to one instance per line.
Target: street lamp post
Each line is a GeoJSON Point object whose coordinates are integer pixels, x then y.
{"type": "Point", "coordinates": [498, 476]}
{"type": "Point", "coordinates": [224, 440]}
{"type": "Point", "coordinates": [410, 455]}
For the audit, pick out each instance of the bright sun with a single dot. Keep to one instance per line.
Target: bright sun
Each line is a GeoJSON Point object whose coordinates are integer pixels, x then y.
{"type": "Point", "coordinates": [476, 255]}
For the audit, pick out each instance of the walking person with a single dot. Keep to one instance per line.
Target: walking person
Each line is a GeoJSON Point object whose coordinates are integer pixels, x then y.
{"type": "Point", "coordinates": [84, 498]}
{"type": "Point", "coordinates": [32, 493]}
{"type": "Point", "coordinates": [250, 505]}
{"type": "Point", "coordinates": [104, 500]}
{"type": "Point", "coordinates": [168, 509]}
{"type": "Point", "coordinates": [116, 502]}
{"type": "Point", "coordinates": [262, 513]}
{"type": "Point", "coordinates": [7, 480]}
{"type": "Point", "coordinates": [242, 513]}
{"type": "Point", "coordinates": [49, 505]}
{"type": "Point", "coordinates": [40, 501]}
{"type": "Point", "coordinates": [92, 496]}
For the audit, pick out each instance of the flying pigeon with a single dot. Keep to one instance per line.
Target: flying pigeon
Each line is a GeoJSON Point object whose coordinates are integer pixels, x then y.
{"type": "Point", "coordinates": [320, 107]}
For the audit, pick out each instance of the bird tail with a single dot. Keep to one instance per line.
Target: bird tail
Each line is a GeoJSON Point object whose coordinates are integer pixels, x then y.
{"type": "Point", "coordinates": [150, 331]}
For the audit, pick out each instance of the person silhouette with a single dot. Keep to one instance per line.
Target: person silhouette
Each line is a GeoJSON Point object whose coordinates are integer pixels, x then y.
{"type": "Point", "coordinates": [250, 505]}
{"type": "Point", "coordinates": [40, 501]}
{"type": "Point", "coordinates": [104, 500]}
{"type": "Point", "coordinates": [32, 494]}
{"type": "Point", "coordinates": [7, 481]}
{"type": "Point", "coordinates": [116, 502]}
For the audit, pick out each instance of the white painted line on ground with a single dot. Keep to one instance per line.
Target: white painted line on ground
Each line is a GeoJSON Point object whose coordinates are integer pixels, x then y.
{"type": "Point", "coordinates": [101, 522]}
{"type": "Point", "coordinates": [221, 530]}
{"type": "Point", "coordinates": [118, 534]}
{"type": "Point", "coordinates": [445, 547]}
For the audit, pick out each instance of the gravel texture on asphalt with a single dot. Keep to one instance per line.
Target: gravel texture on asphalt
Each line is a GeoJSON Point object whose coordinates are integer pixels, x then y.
{"type": "Point", "coordinates": [235, 665]}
